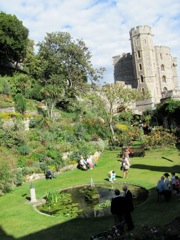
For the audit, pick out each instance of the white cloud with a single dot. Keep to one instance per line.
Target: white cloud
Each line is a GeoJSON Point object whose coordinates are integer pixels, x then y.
{"type": "Point", "coordinates": [104, 25]}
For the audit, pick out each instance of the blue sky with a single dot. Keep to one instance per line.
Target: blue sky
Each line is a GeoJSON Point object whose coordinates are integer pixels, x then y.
{"type": "Point", "coordinates": [103, 25]}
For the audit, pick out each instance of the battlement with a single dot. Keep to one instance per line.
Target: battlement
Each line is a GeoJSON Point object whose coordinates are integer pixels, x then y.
{"type": "Point", "coordinates": [163, 49]}
{"type": "Point", "coordinates": [124, 56]}
{"type": "Point", "coordinates": [143, 29]}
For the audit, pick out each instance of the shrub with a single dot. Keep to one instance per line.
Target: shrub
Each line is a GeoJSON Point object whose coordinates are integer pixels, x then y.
{"type": "Point", "coordinates": [19, 177]}
{"type": "Point", "coordinates": [21, 162]}
{"type": "Point", "coordinates": [11, 139]}
{"type": "Point", "coordinates": [6, 87]}
{"type": "Point", "coordinates": [27, 171]}
{"type": "Point", "coordinates": [24, 150]}
{"type": "Point", "coordinates": [160, 138]}
{"type": "Point", "coordinates": [7, 176]}
{"type": "Point", "coordinates": [20, 103]}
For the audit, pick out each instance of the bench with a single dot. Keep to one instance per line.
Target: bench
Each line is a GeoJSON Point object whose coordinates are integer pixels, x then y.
{"type": "Point", "coordinates": [136, 152]}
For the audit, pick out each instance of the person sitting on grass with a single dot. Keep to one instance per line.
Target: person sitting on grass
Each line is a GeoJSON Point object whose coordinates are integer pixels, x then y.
{"type": "Point", "coordinates": [83, 164]}
{"type": "Point", "coordinates": [112, 175]}
{"type": "Point", "coordinates": [90, 162]}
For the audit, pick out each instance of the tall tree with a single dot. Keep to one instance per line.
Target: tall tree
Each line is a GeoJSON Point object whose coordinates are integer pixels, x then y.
{"type": "Point", "coordinates": [13, 40]}
{"type": "Point", "coordinates": [115, 98]}
{"type": "Point", "coordinates": [69, 61]}
{"type": "Point", "coordinates": [53, 91]}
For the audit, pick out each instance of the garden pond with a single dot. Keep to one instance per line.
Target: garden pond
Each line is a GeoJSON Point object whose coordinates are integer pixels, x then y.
{"type": "Point", "coordinates": [87, 201]}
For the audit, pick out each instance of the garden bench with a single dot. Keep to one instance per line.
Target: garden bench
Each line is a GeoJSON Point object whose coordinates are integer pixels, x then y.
{"type": "Point", "coordinates": [136, 152]}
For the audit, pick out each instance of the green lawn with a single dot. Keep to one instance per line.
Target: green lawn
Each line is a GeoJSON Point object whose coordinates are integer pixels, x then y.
{"type": "Point", "coordinates": [19, 220]}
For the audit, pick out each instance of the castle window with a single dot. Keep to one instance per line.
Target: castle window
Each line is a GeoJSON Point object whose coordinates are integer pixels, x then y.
{"type": "Point", "coordinates": [140, 66]}
{"type": "Point", "coordinates": [164, 79]}
{"type": "Point", "coordinates": [142, 78]}
{"type": "Point", "coordinates": [165, 89]}
{"type": "Point", "coordinates": [162, 67]}
{"type": "Point", "coordinates": [139, 54]}
{"type": "Point", "coordinates": [161, 56]}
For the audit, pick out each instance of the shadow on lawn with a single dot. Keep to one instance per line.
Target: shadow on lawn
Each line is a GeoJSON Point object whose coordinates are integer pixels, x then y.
{"type": "Point", "coordinates": [76, 229]}
{"type": "Point", "coordinates": [175, 168]}
{"type": "Point", "coordinates": [80, 228]}
{"type": "Point", "coordinates": [4, 236]}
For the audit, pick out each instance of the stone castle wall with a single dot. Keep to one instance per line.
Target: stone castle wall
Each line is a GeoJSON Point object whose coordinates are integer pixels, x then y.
{"type": "Point", "coordinates": [124, 63]}
{"type": "Point", "coordinates": [149, 68]}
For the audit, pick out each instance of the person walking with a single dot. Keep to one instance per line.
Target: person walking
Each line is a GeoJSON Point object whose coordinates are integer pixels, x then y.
{"type": "Point", "coordinates": [117, 209]}
{"type": "Point", "coordinates": [128, 208]}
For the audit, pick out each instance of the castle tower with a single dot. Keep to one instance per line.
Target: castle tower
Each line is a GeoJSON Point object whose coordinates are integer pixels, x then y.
{"type": "Point", "coordinates": [167, 69]}
{"type": "Point", "coordinates": [144, 61]}
{"type": "Point", "coordinates": [149, 68]}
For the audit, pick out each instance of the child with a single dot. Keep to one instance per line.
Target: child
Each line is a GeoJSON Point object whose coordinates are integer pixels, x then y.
{"type": "Point", "coordinates": [112, 175]}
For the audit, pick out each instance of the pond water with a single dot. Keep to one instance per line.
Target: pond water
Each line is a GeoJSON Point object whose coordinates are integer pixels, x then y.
{"type": "Point", "coordinates": [87, 202]}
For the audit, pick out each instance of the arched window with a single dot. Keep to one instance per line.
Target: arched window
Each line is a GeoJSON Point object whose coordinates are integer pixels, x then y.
{"type": "Point", "coordinates": [140, 66]}
{"type": "Point", "coordinates": [142, 78]}
{"type": "Point", "coordinates": [164, 79]}
{"type": "Point", "coordinates": [162, 67]}
{"type": "Point", "coordinates": [165, 89]}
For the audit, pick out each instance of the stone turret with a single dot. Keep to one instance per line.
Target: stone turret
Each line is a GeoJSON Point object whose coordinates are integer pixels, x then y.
{"type": "Point", "coordinates": [144, 60]}
{"type": "Point", "coordinates": [149, 67]}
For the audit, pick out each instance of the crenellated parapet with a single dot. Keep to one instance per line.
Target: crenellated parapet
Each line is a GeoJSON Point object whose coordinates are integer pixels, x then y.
{"type": "Point", "coordinates": [140, 30]}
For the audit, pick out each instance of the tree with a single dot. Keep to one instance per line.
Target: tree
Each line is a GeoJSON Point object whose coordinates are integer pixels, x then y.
{"type": "Point", "coordinates": [116, 99]}
{"type": "Point", "coordinates": [59, 55]}
{"type": "Point", "coordinates": [20, 103]}
{"type": "Point", "coordinates": [170, 110]}
{"type": "Point", "coordinates": [21, 83]}
{"type": "Point", "coordinates": [13, 40]}
{"type": "Point", "coordinates": [53, 91]}
{"type": "Point", "coordinates": [31, 62]}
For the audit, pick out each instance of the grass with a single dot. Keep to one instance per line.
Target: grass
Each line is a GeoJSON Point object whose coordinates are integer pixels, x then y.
{"type": "Point", "coordinates": [19, 220]}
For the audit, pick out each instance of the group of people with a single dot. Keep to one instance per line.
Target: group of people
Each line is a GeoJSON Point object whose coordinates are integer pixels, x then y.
{"type": "Point", "coordinates": [87, 164]}
{"type": "Point", "coordinates": [165, 186]}
{"type": "Point", "coordinates": [121, 208]}
{"type": "Point", "coordinates": [124, 166]}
